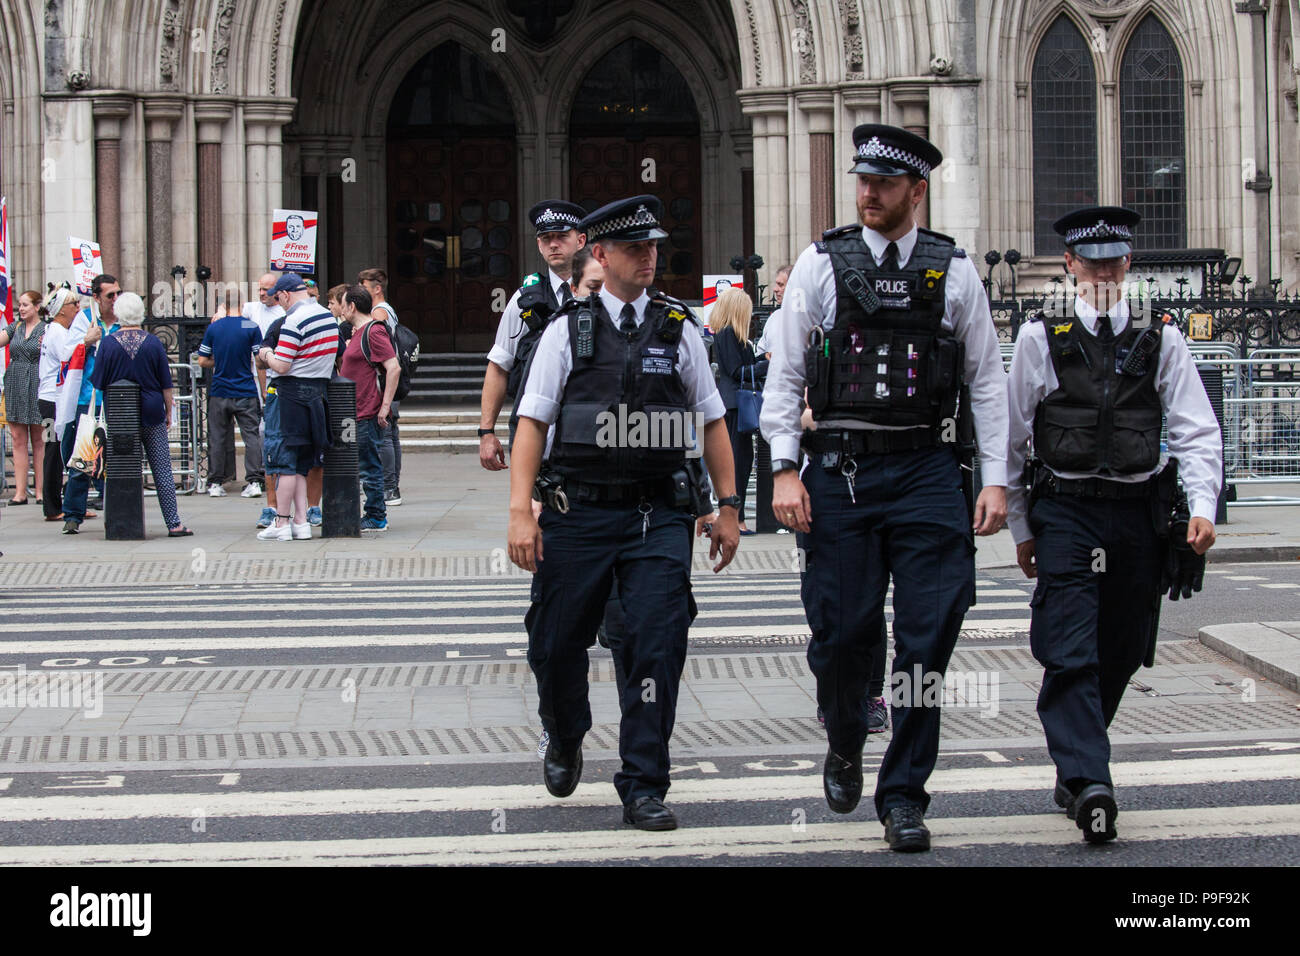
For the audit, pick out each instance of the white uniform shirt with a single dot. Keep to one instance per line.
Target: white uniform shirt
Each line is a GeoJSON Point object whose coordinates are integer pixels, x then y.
{"type": "Point", "coordinates": [553, 361]}
{"type": "Point", "coordinates": [810, 300]}
{"type": "Point", "coordinates": [767, 340]}
{"type": "Point", "coordinates": [1193, 430]}
{"type": "Point", "coordinates": [511, 327]}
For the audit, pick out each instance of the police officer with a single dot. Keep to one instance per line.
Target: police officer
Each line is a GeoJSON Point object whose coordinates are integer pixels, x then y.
{"type": "Point", "coordinates": [1089, 385]}
{"type": "Point", "coordinates": [526, 315]}
{"type": "Point", "coordinates": [881, 321]}
{"type": "Point", "coordinates": [602, 364]}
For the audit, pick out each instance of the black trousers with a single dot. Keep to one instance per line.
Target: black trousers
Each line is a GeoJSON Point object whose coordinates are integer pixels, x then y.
{"type": "Point", "coordinates": [1093, 610]}
{"type": "Point", "coordinates": [585, 552]}
{"type": "Point", "coordinates": [52, 479]}
{"type": "Point", "coordinates": [742, 451]}
{"type": "Point", "coordinates": [879, 650]}
{"type": "Point", "coordinates": [907, 519]}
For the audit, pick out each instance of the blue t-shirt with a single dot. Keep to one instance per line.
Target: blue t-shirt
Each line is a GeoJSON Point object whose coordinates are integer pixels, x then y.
{"type": "Point", "coordinates": [231, 343]}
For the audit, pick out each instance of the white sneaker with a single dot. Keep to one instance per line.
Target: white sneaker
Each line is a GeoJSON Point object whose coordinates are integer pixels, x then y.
{"type": "Point", "coordinates": [251, 490]}
{"type": "Point", "coordinates": [216, 491]}
{"type": "Point", "coordinates": [276, 534]}
{"type": "Point", "coordinates": [301, 532]}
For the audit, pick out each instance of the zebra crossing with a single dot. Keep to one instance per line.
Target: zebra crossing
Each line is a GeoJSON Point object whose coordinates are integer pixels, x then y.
{"type": "Point", "coordinates": [731, 812]}
{"type": "Point", "coordinates": [483, 616]}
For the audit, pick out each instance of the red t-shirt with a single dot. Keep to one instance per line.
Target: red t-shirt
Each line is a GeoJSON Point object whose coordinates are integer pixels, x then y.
{"type": "Point", "coordinates": [366, 375]}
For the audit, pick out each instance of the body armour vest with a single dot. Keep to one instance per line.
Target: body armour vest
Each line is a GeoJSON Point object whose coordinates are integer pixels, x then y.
{"type": "Point", "coordinates": [1099, 419]}
{"type": "Point", "coordinates": [887, 360]}
{"type": "Point", "coordinates": [623, 415]}
{"type": "Point", "coordinates": [537, 303]}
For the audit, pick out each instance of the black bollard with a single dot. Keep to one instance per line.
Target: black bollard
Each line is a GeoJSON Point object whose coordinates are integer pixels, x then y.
{"type": "Point", "coordinates": [340, 499]}
{"type": "Point", "coordinates": [764, 521]}
{"type": "Point", "coordinates": [1212, 379]}
{"type": "Point", "coordinates": [123, 461]}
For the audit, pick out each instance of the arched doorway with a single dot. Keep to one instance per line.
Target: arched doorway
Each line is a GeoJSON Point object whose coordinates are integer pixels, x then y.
{"type": "Point", "coordinates": [452, 216]}
{"type": "Point", "coordinates": [634, 116]}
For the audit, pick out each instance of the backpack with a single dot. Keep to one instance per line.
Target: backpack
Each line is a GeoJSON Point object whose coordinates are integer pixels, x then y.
{"type": "Point", "coordinates": [407, 346]}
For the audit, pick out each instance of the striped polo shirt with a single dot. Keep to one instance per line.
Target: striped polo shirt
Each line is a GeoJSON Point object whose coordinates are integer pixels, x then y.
{"type": "Point", "coordinates": [309, 339]}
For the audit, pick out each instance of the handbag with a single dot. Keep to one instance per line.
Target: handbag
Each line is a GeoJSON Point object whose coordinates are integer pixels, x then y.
{"type": "Point", "coordinates": [749, 404]}
{"type": "Point", "coordinates": [88, 448]}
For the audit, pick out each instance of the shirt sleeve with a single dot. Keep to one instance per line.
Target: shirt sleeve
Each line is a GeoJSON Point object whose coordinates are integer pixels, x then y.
{"type": "Point", "coordinates": [802, 308]}
{"type": "Point", "coordinates": [290, 342]}
{"type": "Point", "coordinates": [107, 357]}
{"type": "Point", "coordinates": [1026, 388]}
{"type": "Point", "coordinates": [509, 330]}
{"type": "Point", "coordinates": [972, 323]}
{"type": "Point", "coordinates": [1194, 435]}
{"type": "Point", "coordinates": [697, 376]}
{"type": "Point", "coordinates": [552, 362]}
{"type": "Point", "coordinates": [381, 346]}
{"type": "Point", "coordinates": [205, 347]}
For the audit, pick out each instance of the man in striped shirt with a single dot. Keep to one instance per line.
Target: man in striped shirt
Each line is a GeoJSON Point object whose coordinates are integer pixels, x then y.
{"type": "Point", "coordinates": [303, 361]}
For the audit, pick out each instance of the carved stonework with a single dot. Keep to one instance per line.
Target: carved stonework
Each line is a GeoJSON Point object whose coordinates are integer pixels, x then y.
{"type": "Point", "coordinates": [220, 74]}
{"type": "Point", "coordinates": [803, 42]}
{"type": "Point", "coordinates": [275, 45]}
{"type": "Point", "coordinates": [78, 80]}
{"type": "Point", "coordinates": [393, 14]}
{"type": "Point", "coordinates": [853, 57]}
{"type": "Point", "coordinates": [169, 57]}
{"type": "Point", "coordinates": [753, 43]}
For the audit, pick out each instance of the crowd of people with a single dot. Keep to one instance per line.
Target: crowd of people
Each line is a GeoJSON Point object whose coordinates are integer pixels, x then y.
{"type": "Point", "coordinates": [270, 362]}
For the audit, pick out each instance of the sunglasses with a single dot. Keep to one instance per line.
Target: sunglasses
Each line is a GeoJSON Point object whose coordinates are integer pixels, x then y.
{"type": "Point", "coordinates": [110, 296]}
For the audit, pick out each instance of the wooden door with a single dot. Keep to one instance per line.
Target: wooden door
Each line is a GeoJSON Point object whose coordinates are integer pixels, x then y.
{"type": "Point", "coordinates": [605, 168]}
{"type": "Point", "coordinates": [452, 237]}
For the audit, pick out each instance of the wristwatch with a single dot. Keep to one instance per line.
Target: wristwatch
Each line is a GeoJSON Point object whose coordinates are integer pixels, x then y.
{"type": "Point", "coordinates": [783, 464]}
{"type": "Point", "coordinates": [731, 501]}
{"type": "Point", "coordinates": [486, 431]}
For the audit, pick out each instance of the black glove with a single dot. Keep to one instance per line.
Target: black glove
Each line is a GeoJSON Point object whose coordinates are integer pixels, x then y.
{"type": "Point", "coordinates": [1184, 568]}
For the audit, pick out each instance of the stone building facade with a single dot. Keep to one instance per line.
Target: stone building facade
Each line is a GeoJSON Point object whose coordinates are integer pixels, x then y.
{"type": "Point", "coordinates": [422, 129]}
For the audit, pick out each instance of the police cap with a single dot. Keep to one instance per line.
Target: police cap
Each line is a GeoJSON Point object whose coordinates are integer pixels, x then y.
{"type": "Point", "coordinates": [625, 220]}
{"type": "Point", "coordinates": [555, 215]}
{"type": "Point", "coordinates": [892, 151]}
{"type": "Point", "coordinates": [1098, 232]}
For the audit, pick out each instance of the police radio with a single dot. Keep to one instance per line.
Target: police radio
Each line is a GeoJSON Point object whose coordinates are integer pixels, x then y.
{"type": "Point", "coordinates": [586, 342]}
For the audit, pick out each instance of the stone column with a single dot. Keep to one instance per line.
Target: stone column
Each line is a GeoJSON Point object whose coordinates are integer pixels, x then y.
{"type": "Point", "coordinates": [912, 102]}
{"type": "Point", "coordinates": [719, 244]}
{"type": "Point", "coordinates": [264, 176]}
{"type": "Point", "coordinates": [955, 196]}
{"type": "Point", "coordinates": [819, 110]}
{"type": "Point", "coordinates": [109, 111]}
{"type": "Point", "coordinates": [210, 117]}
{"type": "Point", "coordinates": [1261, 183]}
{"type": "Point", "coordinates": [160, 116]}
{"type": "Point", "coordinates": [769, 112]}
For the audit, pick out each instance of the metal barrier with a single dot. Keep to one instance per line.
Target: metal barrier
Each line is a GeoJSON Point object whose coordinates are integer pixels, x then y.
{"type": "Point", "coordinates": [184, 434]}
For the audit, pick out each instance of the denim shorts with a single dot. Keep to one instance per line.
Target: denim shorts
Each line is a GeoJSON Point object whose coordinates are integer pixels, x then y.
{"type": "Point", "coordinates": [278, 459]}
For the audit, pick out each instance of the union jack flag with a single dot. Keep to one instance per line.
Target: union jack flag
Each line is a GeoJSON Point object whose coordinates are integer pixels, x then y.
{"type": "Point", "coordinates": [6, 305]}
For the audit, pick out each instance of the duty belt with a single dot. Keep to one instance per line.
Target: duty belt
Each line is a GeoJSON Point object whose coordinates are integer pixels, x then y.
{"type": "Point", "coordinates": [1050, 484]}
{"type": "Point", "coordinates": [655, 489]}
{"type": "Point", "coordinates": [850, 443]}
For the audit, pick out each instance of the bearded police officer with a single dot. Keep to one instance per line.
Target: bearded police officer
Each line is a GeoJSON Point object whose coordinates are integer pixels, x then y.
{"type": "Point", "coordinates": [1089, 385]}
{"type": "Point", "coordinates": [526, 315]}
{"type": "Point", "coordinates": [882, 322]}
{"type": "Point", "coordinates": [625, 379]}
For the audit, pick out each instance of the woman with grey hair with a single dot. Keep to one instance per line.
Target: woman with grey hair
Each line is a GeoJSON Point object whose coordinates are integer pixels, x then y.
{"type": "Point", "coordinates": [132, 354]}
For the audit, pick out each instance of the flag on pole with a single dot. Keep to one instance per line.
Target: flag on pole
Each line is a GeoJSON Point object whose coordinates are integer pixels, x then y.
{"type": "Point", "coordinates": [71, 373]}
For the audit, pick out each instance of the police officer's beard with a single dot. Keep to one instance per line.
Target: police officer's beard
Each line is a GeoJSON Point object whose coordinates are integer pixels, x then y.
{"type": "Point", "coordinates": [885, 218]}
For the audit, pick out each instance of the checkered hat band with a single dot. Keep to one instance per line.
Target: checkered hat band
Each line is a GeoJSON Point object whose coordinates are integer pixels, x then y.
{"type": "Point", "coordinates": [642, 217]}
{"type": "Point", "coordinates": [1098, 230]}
{"type": "Point", "coordinates": [550, 216]}
{"type": "Point", "coordinates": [875, 149]}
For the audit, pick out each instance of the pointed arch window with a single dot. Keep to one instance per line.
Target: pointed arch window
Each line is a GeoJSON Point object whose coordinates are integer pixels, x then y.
{"type": "Point", "coordinates": [1153, 159]}
{"type": "Point", "coordinates": [1065, 129]}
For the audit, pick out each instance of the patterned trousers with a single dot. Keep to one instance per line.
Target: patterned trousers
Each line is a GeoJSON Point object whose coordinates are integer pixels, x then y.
{"type": "Point", "coordinates": [159, 453]}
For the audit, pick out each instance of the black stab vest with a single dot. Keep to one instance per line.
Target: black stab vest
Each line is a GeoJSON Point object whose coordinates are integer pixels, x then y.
{"type": "Point", "coordinates": [623, 415]}
{"type": "Point", "coordinates": [537, 303]}
{"type": "Point", "coordinates": [1098, 419]}
{"type": "Point", "coordinates": [887, 360]}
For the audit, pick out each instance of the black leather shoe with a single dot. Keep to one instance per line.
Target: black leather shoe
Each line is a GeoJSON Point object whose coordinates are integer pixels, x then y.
{"type": "Point", "coordinates": [649, 813]}
{"type": "Point", "coordinates": [1094, 812]}
{"type": "Point", "coordinates": [562, 771]}
{"type": "Point", "coordinates": [905, 829]}
{"type": "Point", "coordinates": [842, 781]}
{"type": "Point", "coordinates": [1063, 797]}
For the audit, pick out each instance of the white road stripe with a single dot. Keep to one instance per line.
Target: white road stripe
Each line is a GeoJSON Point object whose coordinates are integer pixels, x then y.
{"type": "Point", "coordinates": [695, 842]}
{"type": "Point", "coordinates": [779, 787]}
{"type": "Point", "coordinates": [73, 643]}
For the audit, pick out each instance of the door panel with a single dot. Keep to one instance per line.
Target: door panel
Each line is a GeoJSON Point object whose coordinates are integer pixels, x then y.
{"type": "Point", "coordinates": [452, 237]}
{"type": "Point", "coordinates": [605, 168]}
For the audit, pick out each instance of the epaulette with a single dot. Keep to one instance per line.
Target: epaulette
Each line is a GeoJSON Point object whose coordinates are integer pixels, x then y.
{"type": "Point", "coordinates": [839, 231]}
{"type": "Point", "coordinates": [957, 253]}
{"type": "Point", "coordinates": [677, 310]}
